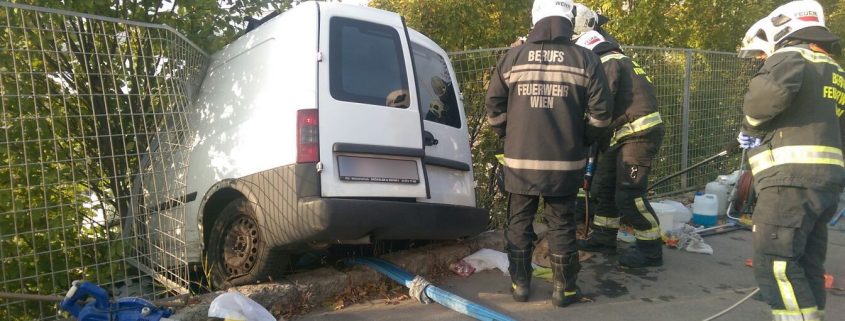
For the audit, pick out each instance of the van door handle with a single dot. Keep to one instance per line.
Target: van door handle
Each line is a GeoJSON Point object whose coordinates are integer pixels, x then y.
{"type": "Point", "coordinates": [428, 139]}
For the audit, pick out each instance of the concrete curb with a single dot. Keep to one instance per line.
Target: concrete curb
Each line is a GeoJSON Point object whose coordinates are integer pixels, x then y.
{"type": "Point", "coordinates": [314, 287]}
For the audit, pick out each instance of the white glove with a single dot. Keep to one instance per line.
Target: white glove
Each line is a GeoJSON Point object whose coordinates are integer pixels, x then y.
{"type": "Point", "coordinates": [748, 142]}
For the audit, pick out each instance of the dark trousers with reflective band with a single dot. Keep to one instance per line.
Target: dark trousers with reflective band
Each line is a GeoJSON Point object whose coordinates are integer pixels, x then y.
{"type": "Point", "coordinates": [559, 215]}
{"type": "Point", "coordinates": [790, 247]}
{"type": "Point", "coordinates": [621, 186]}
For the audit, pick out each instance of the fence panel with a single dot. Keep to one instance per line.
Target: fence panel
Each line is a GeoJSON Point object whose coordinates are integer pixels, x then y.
{"type": "Point", "coordinates": [89, 104]}
{"type": "Point", "coordinates": [472, 69]}
{"type": "Point", "coordinates": [699, 95]}
{"type": "Point", "coordinates": [717, 87]}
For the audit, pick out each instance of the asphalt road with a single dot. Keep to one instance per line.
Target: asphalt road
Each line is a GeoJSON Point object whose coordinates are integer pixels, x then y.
{"type": "Point", "coordinates": [689, 286]}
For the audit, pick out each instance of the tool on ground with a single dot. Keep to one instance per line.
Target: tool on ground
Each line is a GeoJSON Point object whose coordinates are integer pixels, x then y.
{"type": "Point", "coordinates": [174, 302]}
{"type": "Point", "coordinates": [123, 309]}
{"type": "Point", "coordinates": [592, 154]}
{"type": "Point", "coordinates": [733, 196]}
{"type": "Point", "coordinates": [425, 292]}
{"type": "Point", "coordinates": [734, 222]}
{"type": "Point", "coordinates": [725, 151]}
{"type": "Point", "coordinates": [720, 229]}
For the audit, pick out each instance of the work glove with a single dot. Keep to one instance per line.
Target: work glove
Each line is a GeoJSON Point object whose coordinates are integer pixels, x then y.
{"type": "Point", "coordinates": [748, 142]}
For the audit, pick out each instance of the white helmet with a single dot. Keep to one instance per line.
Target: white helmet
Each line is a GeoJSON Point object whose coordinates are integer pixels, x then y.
{"type": "Point", "coordinates": [585, 20]}
{"type": "Point", "coordinates": [590, 39]}
{"type": "Point", "coordinates": [757, 40]}
{"type": "Point", "coordinates": [795, 16]}
{"type": "Point", "coordinates": [549, 8]}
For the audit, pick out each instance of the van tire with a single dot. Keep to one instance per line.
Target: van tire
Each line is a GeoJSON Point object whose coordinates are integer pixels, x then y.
{"type": "Point", "coordinates": [237, 249]}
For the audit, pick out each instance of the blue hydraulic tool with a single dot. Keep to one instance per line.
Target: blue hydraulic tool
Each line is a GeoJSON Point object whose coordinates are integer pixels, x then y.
{"type": "Point", "coordinates": [592, 154]}
{"type": "Point", "coordinates": [101, 309]}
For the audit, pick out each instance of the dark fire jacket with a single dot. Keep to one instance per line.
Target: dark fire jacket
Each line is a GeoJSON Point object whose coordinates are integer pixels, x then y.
{"type": "Point", "coordinates": [548, 98]}
{"type": "Point", "coordinates": [632, 91]}
{"type": "Point", "coordinates": [795, 103]}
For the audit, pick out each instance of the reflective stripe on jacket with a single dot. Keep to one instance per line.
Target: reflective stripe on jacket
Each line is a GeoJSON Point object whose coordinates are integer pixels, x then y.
{"type": "Point", "coordinates": [795, 103]}
{"type": "Point", "coordinates": [640, 125]}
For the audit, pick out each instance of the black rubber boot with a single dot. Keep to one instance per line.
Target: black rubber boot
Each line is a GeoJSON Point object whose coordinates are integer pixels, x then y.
{"type": "Point", "coordinates": [600, 240]}
{"type": "Point", "coordinates": [565, 273]}
{"type": "Point", "coordinates": [520, 270]}
{"type": "Point", "coordinates": [644, 254]}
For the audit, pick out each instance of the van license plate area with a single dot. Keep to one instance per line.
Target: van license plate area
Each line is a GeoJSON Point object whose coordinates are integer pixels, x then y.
{"type": "Point", "coordinates": [379, 170]}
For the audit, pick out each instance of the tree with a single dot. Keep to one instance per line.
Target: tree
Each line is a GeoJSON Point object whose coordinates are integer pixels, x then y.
{"type": "Point", "coordinates": [711, 25]}
{"type": "Point", "coordinates": [82, 101]}
{"type": "Point", "coordinates": [466, 24]}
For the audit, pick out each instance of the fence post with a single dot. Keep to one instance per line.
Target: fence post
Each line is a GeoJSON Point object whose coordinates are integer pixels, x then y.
{"type": "Point", "coordinates": [685, 125]}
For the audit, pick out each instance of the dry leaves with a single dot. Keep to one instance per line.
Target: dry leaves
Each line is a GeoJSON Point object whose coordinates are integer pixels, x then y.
{"type": "Point", "coordinates": [391, 292]}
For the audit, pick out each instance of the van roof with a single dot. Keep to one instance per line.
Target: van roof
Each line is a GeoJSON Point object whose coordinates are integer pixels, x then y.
{"type": "Point", "coordinates": [253, 23]}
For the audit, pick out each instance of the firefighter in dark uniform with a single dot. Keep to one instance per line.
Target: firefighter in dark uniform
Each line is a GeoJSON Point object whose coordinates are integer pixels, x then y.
{"type": "Point", "coordinates": [548, 99]}
{"type": "Point", "coordinates": [625, 162]}
{"type": "Point", "coordinates": [793, 132]}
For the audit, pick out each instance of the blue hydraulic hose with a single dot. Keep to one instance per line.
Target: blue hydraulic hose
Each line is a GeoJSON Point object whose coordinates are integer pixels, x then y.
{"type": "Point", "coordinates": [434, 293]}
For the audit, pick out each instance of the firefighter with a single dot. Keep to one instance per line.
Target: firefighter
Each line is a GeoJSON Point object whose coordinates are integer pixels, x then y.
{"type": "Point", "coordinates": [635, 136]}
{"type": "Point", "coordinates": [547, 99]}
{"type": "Point", "coordinates": [793, 132]}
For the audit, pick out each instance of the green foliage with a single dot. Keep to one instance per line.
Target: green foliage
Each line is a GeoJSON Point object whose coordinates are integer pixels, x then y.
{"type": "Point", "coordinates": [81, 101]}
{"type": "Point", "coordinates": [211, 24]}
{"type": "Point", "coordinates": [711, 25]}
{"type": "Point", "coordinates": [465, 24]}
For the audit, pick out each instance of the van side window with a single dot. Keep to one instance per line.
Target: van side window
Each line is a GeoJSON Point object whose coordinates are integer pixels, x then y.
{"type": "Point", "coordinates": [366, 64]}
{"type": "Point", "coordinates": [439, 102]}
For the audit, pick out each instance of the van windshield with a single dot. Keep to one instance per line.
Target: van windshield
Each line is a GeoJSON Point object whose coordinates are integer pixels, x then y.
{"type": "Point", "coordinates": [437, 93]}
{"type": "Point", "coordinates": [366, 64]}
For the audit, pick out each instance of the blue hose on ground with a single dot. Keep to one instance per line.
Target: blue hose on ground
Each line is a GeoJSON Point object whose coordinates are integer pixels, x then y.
{"type": "Point", "coordinates": [434, 293]}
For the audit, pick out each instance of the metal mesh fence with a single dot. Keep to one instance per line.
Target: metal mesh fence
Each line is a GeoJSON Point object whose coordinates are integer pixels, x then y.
{"type": "Point", "coordinates": [89, 105]}
{"type": "Point", "coordinates": [473, 69]}
{"type": "Point", "coordinates": [699, 95]}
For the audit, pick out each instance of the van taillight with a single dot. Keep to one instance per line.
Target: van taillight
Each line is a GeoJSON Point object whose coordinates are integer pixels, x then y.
{"type": "Point", "coordinates": [307, 139]}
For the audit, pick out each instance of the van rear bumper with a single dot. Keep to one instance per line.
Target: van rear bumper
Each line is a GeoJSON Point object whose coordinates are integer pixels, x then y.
{"type": "Point", "coordinates": [349, 219]}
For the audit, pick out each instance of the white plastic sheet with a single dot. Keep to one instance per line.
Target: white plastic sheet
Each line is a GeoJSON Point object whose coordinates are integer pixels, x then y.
{"type": "Point", "coordinates": [233, 306]}
{"type": "Point", "coordinates": [487, 259]}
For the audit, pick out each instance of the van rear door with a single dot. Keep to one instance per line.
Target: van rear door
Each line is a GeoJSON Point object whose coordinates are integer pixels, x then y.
{"type": "Point", "coordinates": [447, 154]}
{"type": "Point", "coordinates": [370, 129]}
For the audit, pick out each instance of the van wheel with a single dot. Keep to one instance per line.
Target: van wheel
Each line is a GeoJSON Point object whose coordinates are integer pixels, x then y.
{"type": "Point", "coordinates": [237, 251]}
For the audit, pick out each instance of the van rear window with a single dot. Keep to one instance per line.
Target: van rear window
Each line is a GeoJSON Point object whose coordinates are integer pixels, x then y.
{"type": "Point", "coordinates": [366, 64]}
{"type": "Point", "coordinates": [437, 93]}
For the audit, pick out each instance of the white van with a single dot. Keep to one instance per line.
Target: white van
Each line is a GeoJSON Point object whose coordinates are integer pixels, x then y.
{"type": "Point", "coordinates": [327, 124]}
